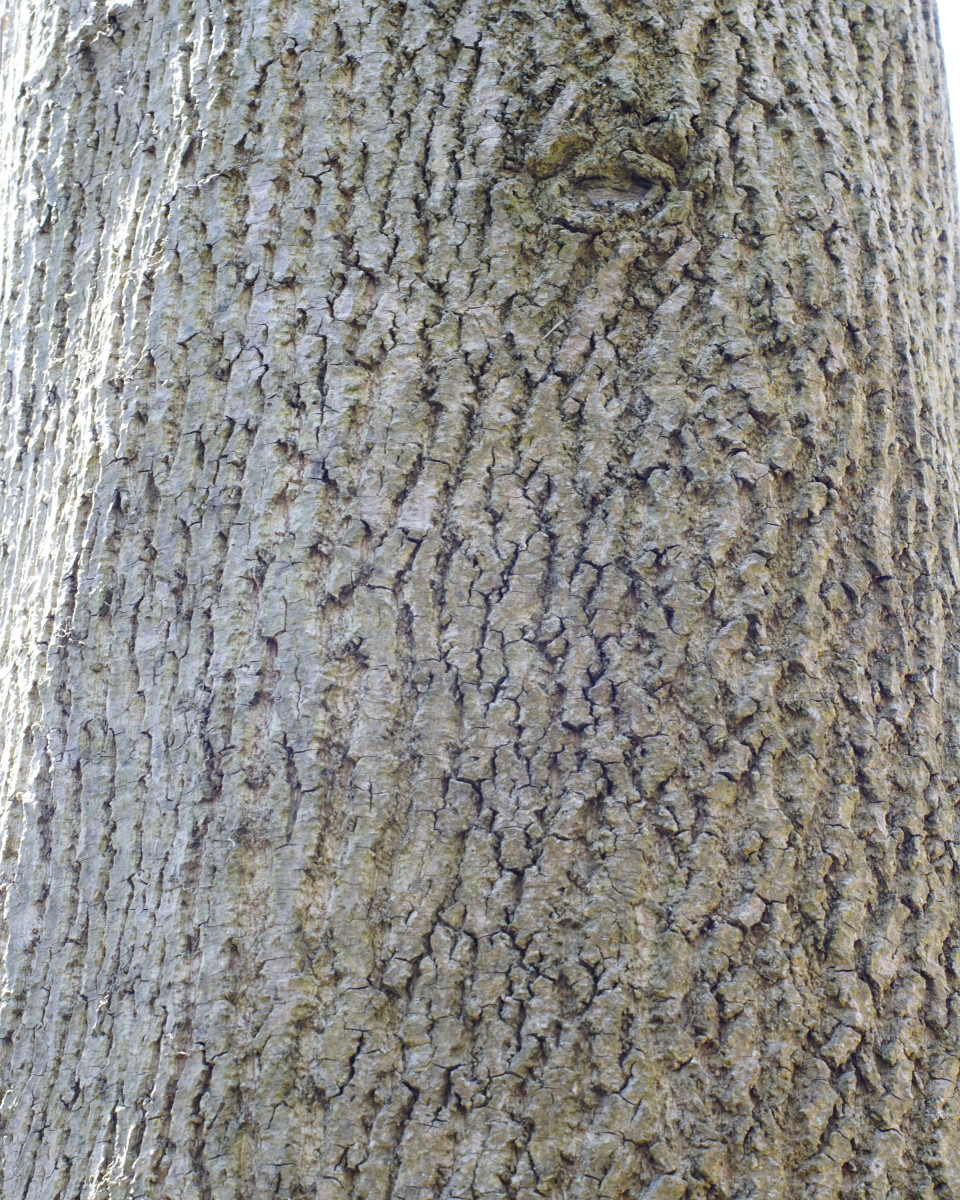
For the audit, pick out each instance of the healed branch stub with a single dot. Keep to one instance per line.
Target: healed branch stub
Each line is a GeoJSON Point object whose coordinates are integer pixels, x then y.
{"type": "Point", "coordinates": [479, 548]}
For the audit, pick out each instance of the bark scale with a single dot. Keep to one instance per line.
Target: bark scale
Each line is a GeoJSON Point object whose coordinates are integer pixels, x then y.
{"type": "Point", "coordinates": [479, 531]}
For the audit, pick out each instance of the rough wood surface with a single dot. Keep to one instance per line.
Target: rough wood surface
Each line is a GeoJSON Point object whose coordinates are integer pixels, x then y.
{"type": "Point", "coordinates": [479, 616]}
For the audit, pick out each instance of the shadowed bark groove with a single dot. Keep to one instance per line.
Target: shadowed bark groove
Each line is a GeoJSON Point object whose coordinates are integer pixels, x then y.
{"type": "Point", "coordinates": [478, 623]}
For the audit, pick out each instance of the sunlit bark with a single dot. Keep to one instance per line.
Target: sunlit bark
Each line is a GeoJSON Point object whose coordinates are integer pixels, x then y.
{"type": "Point", "coordinates": [479, 618]}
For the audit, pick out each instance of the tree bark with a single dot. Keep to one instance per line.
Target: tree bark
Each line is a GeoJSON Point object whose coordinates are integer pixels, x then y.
{"type": "Point", "coordinates": [479, 534]}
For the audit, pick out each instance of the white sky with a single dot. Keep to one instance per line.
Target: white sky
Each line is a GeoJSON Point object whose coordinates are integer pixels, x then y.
{"type": "Point", "coordinates": [950, 36]}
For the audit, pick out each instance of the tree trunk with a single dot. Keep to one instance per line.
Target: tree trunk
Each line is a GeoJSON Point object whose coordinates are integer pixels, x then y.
{"type": "Point", "coordinates": [479, 534]}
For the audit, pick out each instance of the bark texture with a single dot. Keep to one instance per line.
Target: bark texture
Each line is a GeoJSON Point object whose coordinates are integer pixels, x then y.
{"type": "Point", "coordinates": [479, 616]}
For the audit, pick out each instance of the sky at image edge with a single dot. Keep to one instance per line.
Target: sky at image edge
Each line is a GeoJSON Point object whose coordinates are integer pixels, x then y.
{"type": "Point", "coordinates": [950, 36]}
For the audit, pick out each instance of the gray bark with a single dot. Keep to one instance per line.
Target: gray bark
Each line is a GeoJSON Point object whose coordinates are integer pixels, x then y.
{"type": "Point", "coordinates": [479, 542]}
